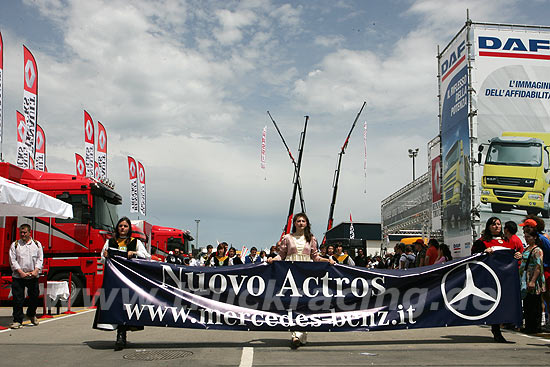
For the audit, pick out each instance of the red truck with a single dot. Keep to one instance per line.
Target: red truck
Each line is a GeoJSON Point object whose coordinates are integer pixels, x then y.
{"type": "Point", "coordinates": [162, 239]}
{"type": "Point", "coordinates": [70, 245]}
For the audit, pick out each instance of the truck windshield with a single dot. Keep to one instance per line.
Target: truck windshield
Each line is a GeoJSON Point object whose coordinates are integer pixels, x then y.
{"type": "Point", "coordinates": [452, 156]}
{"type": "Point", "coordinates": [515, 154]}
{"type": "Point", "coordinates": [105, 214]}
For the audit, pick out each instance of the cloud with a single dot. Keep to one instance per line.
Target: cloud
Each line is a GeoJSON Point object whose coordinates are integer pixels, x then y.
{"type": "Point", "coordinates": [329, 41]}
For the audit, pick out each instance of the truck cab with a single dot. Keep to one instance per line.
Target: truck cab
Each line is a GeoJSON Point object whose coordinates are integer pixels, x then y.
{"type": "Point", "coordinates": [516, 173]}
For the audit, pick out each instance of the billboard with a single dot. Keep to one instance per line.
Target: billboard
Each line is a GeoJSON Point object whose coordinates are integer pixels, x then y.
{"type": "Point", "coordinates": [434, 157]}
{"type": "Point", "coordinates": [511, 70]}
{"type": "Point", "coordinates": [455, 144]}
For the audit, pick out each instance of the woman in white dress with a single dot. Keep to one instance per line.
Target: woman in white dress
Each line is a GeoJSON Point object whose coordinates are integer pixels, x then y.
{"type": "Point", "coordinates": [299, 245]}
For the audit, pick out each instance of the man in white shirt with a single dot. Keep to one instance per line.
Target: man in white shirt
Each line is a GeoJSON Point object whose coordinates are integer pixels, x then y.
{"type": "Point", "coordinates": [26, 258]}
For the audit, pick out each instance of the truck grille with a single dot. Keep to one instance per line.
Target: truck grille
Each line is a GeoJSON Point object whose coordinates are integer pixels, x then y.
{"type": "Point", "coordinates": [508, 193]}
{"type": "Point", "coordinates": [449, 194]}
{"type": "Point", "coordinates": [510, 181]}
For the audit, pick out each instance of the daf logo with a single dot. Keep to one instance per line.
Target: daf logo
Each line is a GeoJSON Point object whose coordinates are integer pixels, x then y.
{"type": "Point", "coordinates": [141, 175]}
{"type": "Point", "coordinates": [102, 139]}
{"type": "Point", "coordinates": [132, 169]}
{"type": "Point", "coordinates": [89, 130]}
{"type": "Point", "coordinates": [21, 129]}
{"type": "Point", "coordinates": [30, 74]}
{"type": "Point", "coordinates": [39, 140]}
{"type": "Point", "coordinates": [470, 291]}
{"type": "Point", "coordinates": [80, 167]}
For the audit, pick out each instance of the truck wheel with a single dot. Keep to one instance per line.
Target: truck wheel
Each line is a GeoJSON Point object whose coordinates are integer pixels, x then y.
{"type": "Point", "coordinates": [76, 286]}
{"type": "Point", "coordinates": [545, 212]}
{"type": "Point", "coordinates": [496, 208]}
{"type": "Point", "coordinates": [533, 211]}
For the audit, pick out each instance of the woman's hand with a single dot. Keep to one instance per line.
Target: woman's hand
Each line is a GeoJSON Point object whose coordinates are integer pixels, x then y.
{"type": "Point", "coordinates": [331, 262]}
{"type": "Point", "coordinates": [131, 254]}
{"type": "Point", "coordinates": [105, 253]}
{"type": "Point", "coordinates": [489, 250]}
{"type": "Point", "coordinates": [531, 285]}
{"type": "Point", "coordinates": [517, 255]}
{"type": "Point", "coordinates": [269, 260]}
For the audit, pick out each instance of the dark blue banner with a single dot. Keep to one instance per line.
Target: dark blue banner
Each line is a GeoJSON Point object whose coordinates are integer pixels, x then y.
{"type": "Point", "coordinates": [482, 289]}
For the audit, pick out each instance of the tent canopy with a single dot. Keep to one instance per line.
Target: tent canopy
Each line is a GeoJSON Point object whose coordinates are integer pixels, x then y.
{"type": "Point", "coordinates": [19, 200]}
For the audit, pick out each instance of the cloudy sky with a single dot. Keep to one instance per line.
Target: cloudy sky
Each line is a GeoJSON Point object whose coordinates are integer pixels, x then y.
{"type": "Point", "coordinates": [184, 87]}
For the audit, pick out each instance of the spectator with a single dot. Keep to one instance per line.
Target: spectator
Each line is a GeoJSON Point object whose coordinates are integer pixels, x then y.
{"type": "Point", "coordinates": [26, 258]}
{"type": "Point", "coordinates": [154, 255]}
{"type": "Point", "coordinates": [532, 281]}
{"type": "Point", "coordinates": [431, 253]}
{"type": "Point", "coordinates": [330, 253]}
{"type": "Point", "coordinates": [219, 258]}
{"type": "Point", "coordinates": [273, 251]}
{"type": "Point", "coordinates": [444, 254]}
{"type": "Point", "coordinates": [407, 258]}
{"type": "Point", "coordinates": [323, 250]}
{"type": "Point", "coordinates": [263, 256]}
{"type": "Point", "coordinates": [399, 249]}
{"type": "Point", "coordinates": [232, 258]}
{"type": "Point", "coordinates": [342, 257]}
{"type": "Point", "coordinates": [360, 259]}
{"type": "Point", "coordinates": [538, 224]}
{"type": "Point", "coordinates": [174, 257]}
{"type": "Point", "coordinates": [208, 256]}
{"type": "Point", "coordinates": [421, 249]}
{"type": "Point", "coordinates": [253, 257]}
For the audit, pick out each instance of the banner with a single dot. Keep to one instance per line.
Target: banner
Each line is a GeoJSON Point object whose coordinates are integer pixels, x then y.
{"type": "Point", "coordinates": [307, 296]}
{"type": "Point", "coordinates": [102, 150]}
{"type": "Point", "coordinates": [40, 155]}
{"type": "Point", "coordinates": [89, 144]}
{"type": "Point", "coordinates": [264, 142]}
{"type": "Point", "coordinates": [455, 143]}
{"type": "Point", "coordinates": [96, 170]}
{"type": "Point", "coordinates": [351, 229]}
{"type": "Point", "coordinates": [132, 170]}
{"type": "Point", "coordinates": [1, 90]}
{"type": "Point", "coordinates": [22, 159]}
{"type": "Point", "coordinates": [80, 165]}
{"type": "Point", "coordinates": [30, 102]}
{"type": "Point", "coordinates": [142, 193]}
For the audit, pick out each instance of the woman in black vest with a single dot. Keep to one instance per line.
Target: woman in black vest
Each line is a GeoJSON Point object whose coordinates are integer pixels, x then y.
{"type": "Point", "coordinates": [123, 241]}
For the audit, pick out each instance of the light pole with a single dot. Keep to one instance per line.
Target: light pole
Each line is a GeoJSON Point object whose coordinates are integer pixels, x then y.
{"type": "Point", "coordinates": [412, 154]}
{"type": "Point", "coordinates": [197, 243]}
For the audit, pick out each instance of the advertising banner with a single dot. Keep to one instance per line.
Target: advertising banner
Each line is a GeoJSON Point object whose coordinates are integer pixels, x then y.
{"type": "Point", "coordinates": [40, 155]}
{"type": "Point", "coordinates": [1, 90]}
{"type": "Point", "coordinates": [262, 153]}
{"type": "Point", "coordinates": [102, 150]}
{"type": "Point", "coordinates": [30, 102]}
{"type": "Point", "coordinates": [455, 141]}
{"type": "Point", "coordinates": [89, 144]}
{"type": "Point", "coordinates": [142, 192]}
{"type": "Point", "coordinates": [308, 296]}
{"type": "Point", "coordinates": [22, 159]}
{"type": "Point", "coordinates": [434, 151]}
{"type": "Point", "coordinates": [512, 74]}
{"type": "Point", "coordinates": [80, 165]}
{"type": "Point", "coordinates": [132, 171]}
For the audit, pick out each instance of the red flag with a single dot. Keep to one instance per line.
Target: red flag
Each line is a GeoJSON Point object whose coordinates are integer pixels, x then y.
{"type": "Point", "coordinates": [142, 197]}
{"type": "Point", "coordinates": [132, 170]}
{"type": "Point", "coordinates": [30, 101]}
{"type": "Point", "coordinates": [351, 229]}
{"type": "Point", "coordinates": [89, 144]}
{"type": "Point", "coordinates": [22, 159]}
{"type": "Point", "coordinates": [80, 165]}
{"type": "Point", "coordinates": [40, 155]}
{"type": "Point", "coordinates": [102, 150]}
{"type": "Point", "coordinates": [1, 90]}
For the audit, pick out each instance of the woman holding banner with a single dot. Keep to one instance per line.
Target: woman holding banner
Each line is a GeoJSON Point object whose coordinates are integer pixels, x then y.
{"type": "Point", "coordinates": [123, 242]}
{"type": "Point", "coordinates": [299, 245]}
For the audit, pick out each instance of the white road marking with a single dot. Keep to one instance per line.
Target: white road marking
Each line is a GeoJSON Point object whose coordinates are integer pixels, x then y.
{"type": "Point", "coordinates": [247, 357]}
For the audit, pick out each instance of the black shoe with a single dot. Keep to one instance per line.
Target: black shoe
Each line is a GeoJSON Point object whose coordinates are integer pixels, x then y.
{"type": "Point", "coordinates": [120, 342]}
{"type": "Point", "coordinates": [295, 343]}
{"type": "Point", "coordinates": [497, 336]}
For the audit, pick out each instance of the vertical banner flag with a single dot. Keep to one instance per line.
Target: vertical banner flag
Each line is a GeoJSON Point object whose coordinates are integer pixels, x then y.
{"type": "Point", "coordinates": [351, 229]}
{"type": "Point", "coordinates": [89, 149]}
{"type": "Point", "coordinates": [22, 159]}
{"type": "Point", "coordinates": [262, 157]}
{"type": "Point", "coordinates": [102, 150]}
{"type": "Point", "coordinates": [1, 96]}
{"type": "Point", "coordinates": [132, 170]}
{"type": "Point", "coordinates": [80, 165]}
{"type": "Point", "coordinates": [96, 170]}
{"type": "Point", "coordinates": [142, 194]}
{"type": "Point", "coordinates": [365, 159]}
{"type": "Point", "coordinates": [30, 102]}
{"type": "Point", "coordinates": [40, 155]}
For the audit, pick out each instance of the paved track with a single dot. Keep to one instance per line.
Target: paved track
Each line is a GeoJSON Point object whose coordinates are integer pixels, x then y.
{"type": "Point", "coordinates": [70, 341]}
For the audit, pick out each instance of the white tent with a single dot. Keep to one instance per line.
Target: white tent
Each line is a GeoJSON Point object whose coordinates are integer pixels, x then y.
{"type": "Point", "coordinates": [19, 200]}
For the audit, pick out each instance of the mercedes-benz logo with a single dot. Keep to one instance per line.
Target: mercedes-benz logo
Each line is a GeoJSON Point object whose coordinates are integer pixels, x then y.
{"type": "Point", "coordinates": [471, 290]}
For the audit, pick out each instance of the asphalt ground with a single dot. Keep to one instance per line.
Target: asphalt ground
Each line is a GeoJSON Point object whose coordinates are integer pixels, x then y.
{"type": "Point", "coordinates": [69, 340]}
